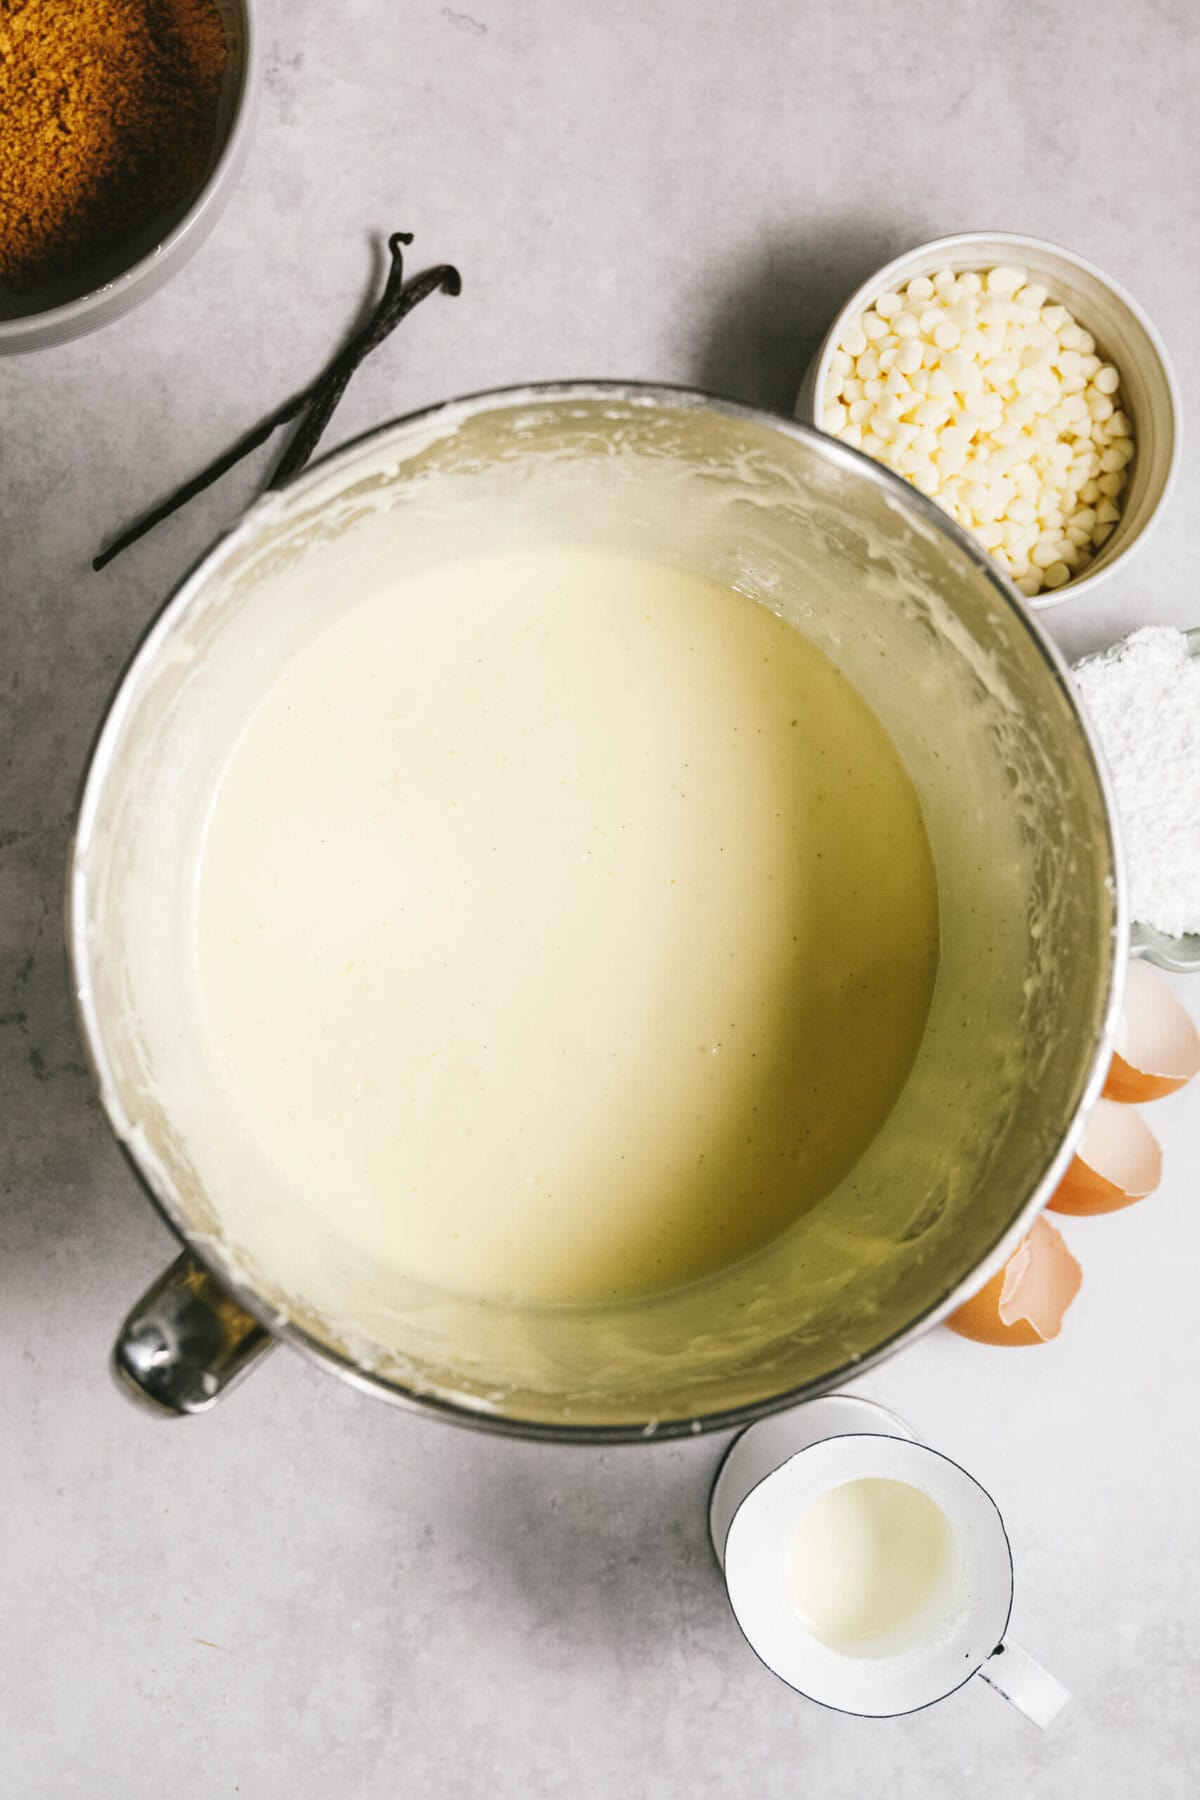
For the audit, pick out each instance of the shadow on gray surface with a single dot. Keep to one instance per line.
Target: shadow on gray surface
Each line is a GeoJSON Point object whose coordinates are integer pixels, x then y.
{"type": "Point", "coordinates": [63, 1184]}
{"type": "Point", "coordinates": [765, 328]}
{"type": "Point", "coordinates": [602, 1554]}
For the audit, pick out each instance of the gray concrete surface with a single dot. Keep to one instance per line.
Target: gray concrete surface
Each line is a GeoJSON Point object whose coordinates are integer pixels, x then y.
{"type": "Point", "coordinates": [306, 1595]}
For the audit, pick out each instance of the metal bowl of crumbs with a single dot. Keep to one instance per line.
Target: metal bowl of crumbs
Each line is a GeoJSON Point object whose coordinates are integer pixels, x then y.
{"type": "Point", "coordinates": [126, 125]}
{"type": "Point", "coordinates": [1058, 511]}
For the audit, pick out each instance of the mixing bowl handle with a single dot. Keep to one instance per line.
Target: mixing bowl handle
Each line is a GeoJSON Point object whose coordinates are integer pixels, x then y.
{"type": "Point", "coordinates": [186, 1341]}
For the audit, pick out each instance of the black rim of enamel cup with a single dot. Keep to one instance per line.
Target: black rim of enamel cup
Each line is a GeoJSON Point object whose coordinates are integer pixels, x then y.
{"type": "Point", "coordinates": [838, 1437]}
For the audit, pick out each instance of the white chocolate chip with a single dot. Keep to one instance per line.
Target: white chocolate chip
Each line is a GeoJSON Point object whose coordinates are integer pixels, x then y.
{"type": "Point", "coordinates": [992, 399]}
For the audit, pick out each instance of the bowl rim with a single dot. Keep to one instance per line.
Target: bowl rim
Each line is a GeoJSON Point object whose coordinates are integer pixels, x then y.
{"type": "Point", "coordinates": [412, 428]}
{"type": "Point", "coordinates": [68, 319]}
{"type": "Point", "coordinates": [955, 244]}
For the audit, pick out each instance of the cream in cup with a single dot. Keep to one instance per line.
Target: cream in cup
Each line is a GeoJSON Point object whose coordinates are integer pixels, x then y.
{"type": "Point", "coordinates": [874, 1575]}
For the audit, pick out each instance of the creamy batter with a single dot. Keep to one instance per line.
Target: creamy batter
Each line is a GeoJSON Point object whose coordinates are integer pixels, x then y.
{"type": "Point", "coordinates": [565, 926]}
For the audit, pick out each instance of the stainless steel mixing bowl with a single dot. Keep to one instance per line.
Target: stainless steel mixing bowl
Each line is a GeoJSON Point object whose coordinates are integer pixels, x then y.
{"type": "Point", "coordinates": [1034, 937]}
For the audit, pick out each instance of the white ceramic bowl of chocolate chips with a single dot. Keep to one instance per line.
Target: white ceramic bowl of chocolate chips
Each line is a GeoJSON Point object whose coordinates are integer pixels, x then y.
{"type": "Point", "coordinates": [1020, 388]}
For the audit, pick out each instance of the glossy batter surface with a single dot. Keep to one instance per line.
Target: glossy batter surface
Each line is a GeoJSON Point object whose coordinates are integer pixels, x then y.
{"type": "Point", "coordinates": [565, 926]}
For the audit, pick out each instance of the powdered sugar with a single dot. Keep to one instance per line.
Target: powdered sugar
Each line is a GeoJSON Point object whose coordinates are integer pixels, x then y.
{"type": "Point", "coordinates": [1143, 697]}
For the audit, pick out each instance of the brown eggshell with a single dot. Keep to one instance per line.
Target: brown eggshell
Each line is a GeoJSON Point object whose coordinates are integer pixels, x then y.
{"type": "Point", "coordinates": [1026, 1302]}
{"type": "Point", "coordinates": [980, 1319]}
{"type": "Point", "coordinates": [1118, 1162]}
{"type": "Point", "coordinates": [1158, 1044]}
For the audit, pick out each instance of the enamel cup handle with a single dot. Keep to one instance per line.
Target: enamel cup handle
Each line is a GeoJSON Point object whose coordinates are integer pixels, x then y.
{"type": "Point", "coordinates": [186, 1341]}
{"type": "Point", "coordinates": [1033, 1690]}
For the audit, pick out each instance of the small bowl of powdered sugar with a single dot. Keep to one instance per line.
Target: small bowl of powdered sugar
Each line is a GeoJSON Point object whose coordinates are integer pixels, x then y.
{"type": "Point", "coordinates": [1143, 699]}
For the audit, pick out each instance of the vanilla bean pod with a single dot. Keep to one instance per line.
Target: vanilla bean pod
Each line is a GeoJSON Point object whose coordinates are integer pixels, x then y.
{"type": "Point", "coordinates": [315, 405]}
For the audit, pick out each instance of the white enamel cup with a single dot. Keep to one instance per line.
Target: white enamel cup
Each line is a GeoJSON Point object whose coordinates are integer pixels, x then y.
{"type": "Point", "coordinates": [956, 1632]}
